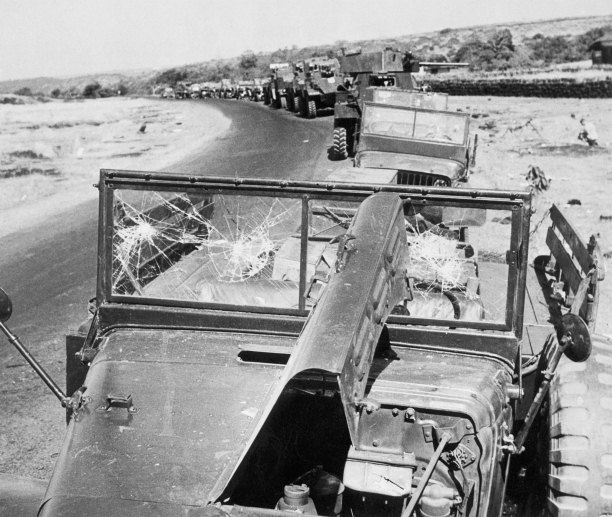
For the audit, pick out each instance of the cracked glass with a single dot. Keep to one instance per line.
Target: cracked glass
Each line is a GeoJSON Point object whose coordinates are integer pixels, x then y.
{"type": "Point", "coordinates": [249, 250]}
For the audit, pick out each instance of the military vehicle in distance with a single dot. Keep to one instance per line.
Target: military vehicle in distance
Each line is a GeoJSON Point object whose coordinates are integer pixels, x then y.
{"type": "Point", "coordinates": [316, 86]}
{"type": "Point", "coordinates": [265, 347]}
{"type": "Point", "coordinates": [385, 68]}
{"type": "Point", "coordinates": [275, 91]}
{"type": "Point", "coordinates": [407, 131]}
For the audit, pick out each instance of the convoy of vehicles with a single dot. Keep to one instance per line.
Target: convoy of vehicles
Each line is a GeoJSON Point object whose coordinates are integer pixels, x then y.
{"type": "Point", "coordinates": [379, 343]}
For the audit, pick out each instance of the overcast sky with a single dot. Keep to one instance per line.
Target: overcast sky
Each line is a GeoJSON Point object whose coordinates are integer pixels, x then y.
{"type": "Point", "coordinates": [69, 37]}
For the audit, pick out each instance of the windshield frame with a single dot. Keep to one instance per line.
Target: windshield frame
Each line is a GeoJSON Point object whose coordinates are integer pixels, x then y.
{"type": "Point", "coordinates": [516, 202]}
{"type": "Point", "coordinates": [368, 105]}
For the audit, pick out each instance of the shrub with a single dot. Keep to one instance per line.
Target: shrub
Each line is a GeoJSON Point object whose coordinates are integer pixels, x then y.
{"type": "Point", "coordinates": [26, 92]}
{"type": "Point", "coordinates": [56, 92]}
{"type": "Point", "coordinates": [91, 90]}
{"type": "Point", "coordinates": [171, 76]}
{"type": "Point", "coordinates": [106, 92]}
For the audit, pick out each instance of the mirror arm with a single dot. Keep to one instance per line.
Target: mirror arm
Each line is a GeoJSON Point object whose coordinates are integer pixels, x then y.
{"type": "Point", "coordinates": [57, 391]}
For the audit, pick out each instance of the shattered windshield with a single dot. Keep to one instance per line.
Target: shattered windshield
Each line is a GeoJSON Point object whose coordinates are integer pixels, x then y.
{"type": "Point", "coordinates": [226, 249]}
{"type": "Point", "coordinates": [434, 126]}
{"type": "Point", "coordinates": [274, 252]}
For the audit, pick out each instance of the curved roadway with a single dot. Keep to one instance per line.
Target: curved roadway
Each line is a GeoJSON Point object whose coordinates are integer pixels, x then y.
{"type": "Point", "coordinates": [49, 271]}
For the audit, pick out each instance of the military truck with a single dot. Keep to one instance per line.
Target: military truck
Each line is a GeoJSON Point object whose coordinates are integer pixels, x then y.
{"type": "Point", "coordinates": [385, 68]}
{"type": "Point", "coordinates": [426, 145]}
{"type": "Point", "coordinates": [317, 85]}
{"type": "Point", "coordinates": [195, 91]}
{"type": "Point", "coordinates": [281, 76]}
{"type": "Point", "coordinates": [347, 116]}
{"type": "Point", "coordinates": [182, 90]}
{"type": "Point", "coordinates": [265, 347]}
{"type": "Point", "coordinates": [293, 87]}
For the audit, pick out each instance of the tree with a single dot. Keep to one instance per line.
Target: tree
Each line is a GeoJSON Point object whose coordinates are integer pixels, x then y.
{"type": "Point", "coordinates": [171, 76]}
{"type": "Point", "coordinates": [25, 91]}
{"type": "Point", "coordinates": [493, 54]}
{"type": "Point", "coordinates": [248, 60]}
{"type": "Point", "coordinates": [91, 90]}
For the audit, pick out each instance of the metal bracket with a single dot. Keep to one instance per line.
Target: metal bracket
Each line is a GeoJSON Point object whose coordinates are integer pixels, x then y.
{"type": "Point", "coordinates": [118, 402]}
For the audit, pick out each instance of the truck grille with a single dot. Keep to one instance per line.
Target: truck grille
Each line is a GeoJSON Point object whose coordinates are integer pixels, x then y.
{"type": "Point", "coordinates": [422, 179]}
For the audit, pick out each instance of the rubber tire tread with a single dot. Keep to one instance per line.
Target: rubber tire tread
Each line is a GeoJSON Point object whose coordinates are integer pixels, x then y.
{"type": "Point", "coordinates": [339, 147]}
{"type": "Point", "coordinates": [312, 109]}
{"type": "Point", "coordinates": [298, 105]}
{"type": "Point", "coordinates": [580, 425]}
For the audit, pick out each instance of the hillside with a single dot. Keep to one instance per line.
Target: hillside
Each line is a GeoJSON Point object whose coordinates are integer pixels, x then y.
{"type": "Point", "coordinates": [486, 47]}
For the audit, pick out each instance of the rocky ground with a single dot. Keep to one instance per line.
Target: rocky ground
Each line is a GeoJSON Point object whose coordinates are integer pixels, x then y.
{"type": "Point", "coordinates": [516, 133]}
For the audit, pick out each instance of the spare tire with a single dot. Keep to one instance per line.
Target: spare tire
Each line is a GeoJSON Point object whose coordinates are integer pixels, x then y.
{"type": "Point", "coordinates": [339, 148]}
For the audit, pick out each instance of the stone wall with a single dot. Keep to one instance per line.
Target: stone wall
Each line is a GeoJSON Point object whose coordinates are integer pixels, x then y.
{"type": "Point", "coordinates": [511, 87]}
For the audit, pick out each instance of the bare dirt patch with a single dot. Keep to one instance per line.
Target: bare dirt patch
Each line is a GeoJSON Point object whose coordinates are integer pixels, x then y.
{"type": "Point", "coordinates": [51, 153]}
{"type": "Point", "coordinates": [523, 132]}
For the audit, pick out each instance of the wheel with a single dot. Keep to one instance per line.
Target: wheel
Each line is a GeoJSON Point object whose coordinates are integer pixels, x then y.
{"type": "Point", "coordinates": [580, 427]}
{"type": "Point", "coordinates": [290, 102]}
{"type": "Point", "coordinates": [339, 149]}
{"type": "Point", "coordinates": [579, 444]}
{"type": "Point", "coordinates": [312, 109]}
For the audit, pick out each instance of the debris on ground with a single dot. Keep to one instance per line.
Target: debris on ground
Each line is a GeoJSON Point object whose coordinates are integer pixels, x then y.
{"type": "Point", "coordinates": [537, 179]}
{"type": "Point", "coordinates": [605, 217]}
{"type": "Point", "coordinates": [519, 127]}
{"type": "Point", "coordinates": [573, 202]}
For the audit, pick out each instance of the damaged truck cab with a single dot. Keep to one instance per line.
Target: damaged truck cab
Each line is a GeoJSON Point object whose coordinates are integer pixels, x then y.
{"type": "Point", "coordinates": [261, 347]}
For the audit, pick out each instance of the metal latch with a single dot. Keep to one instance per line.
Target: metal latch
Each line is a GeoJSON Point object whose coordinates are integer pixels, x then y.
{"type": "Point", "coordinates": [118, 402]}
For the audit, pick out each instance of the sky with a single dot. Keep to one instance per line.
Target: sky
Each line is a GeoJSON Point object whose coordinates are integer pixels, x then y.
{"type": "Point", "coordinates": [71, 37]}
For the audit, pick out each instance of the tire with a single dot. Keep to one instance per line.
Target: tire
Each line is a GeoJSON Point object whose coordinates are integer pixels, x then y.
{"type": "Point", "coordinates": [339, 148]}
{"type": "Point", "coordinates": [290, 102]}
{"type": "Point", "coordinates": [579, 444]}
{"type": "Point", "coordinates": [312, 109]}
{"type": "Point", "coordinates": [298, 105]}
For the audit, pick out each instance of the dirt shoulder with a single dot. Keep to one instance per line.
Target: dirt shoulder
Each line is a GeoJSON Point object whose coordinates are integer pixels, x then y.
{"type": "Point", "coordinates": [517, 132]}
{"type": "Point", "coordinates": [51, 153]}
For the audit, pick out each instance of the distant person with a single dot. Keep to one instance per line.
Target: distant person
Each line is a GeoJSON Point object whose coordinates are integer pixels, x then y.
{"type": "Point", "coordinates": [588, 133]}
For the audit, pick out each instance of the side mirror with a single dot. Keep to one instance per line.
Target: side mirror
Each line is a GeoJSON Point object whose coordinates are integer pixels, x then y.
{"type": "Point", "coordinates": [575, 338]}
{"type": "Point", "coordinates": [6, 306]}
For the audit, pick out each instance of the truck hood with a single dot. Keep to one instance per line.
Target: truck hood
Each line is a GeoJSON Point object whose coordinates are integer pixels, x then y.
{"type": "Point", "coordinates": [195, 402]}
{"type": "Point", "coordinates": [410, 162]}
